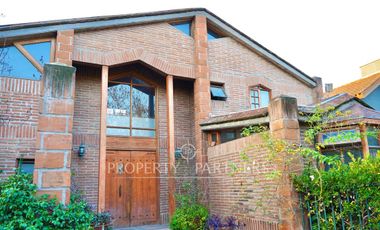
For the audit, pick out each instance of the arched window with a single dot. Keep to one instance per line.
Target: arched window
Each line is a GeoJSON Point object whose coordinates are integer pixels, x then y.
{"type": "Point", "coordinates": [259, 96]}
{"type": "Point", "coordinates": [130, 108]}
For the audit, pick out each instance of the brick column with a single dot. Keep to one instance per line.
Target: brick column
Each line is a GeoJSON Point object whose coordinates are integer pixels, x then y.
{"type": "Point", "coordinates": [64, 47]}
{"type": "Point", "coordinates": [283, 114]}
{"type": "Point", "coordinates": [54, 143]}
{"type": "Point", "coordinates": [202, 97]}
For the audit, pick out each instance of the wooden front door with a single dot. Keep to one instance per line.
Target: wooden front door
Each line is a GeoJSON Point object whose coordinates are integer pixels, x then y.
{"type": "Point", "coordinates": [131, 187]}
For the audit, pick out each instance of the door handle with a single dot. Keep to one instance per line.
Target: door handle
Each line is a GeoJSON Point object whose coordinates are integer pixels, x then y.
{"type": "Point", "coordinates": [119, 190]}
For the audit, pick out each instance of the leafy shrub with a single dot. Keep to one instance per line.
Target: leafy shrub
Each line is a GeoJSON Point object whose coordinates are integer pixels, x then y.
{"type": "Point", "coordinates": [192, 217]}
{"type": "Point", "coordinates": [102, 219]}
{"type": "Point", "coordinates": [190, 214]}
{"type": "Point", "coordinates": [20, 208]}
{"type": "Point", "coordinates": [345, 193]}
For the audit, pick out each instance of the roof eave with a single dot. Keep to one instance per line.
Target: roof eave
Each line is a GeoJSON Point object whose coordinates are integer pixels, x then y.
{"type": "Point", "coordinates": [82, 24]}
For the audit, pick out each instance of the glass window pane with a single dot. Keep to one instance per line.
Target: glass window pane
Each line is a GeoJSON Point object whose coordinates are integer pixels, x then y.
{"type": "Point", "coordinates": [118, 132]}
{"type": "Point", "coordinates": [143, 133]}
{"type": "Point", "coordinates": [27, 166]}
{"type": "Point", "coordinates": [213, 137]}
{"type": "Point", "coordinates": [138, 81]}
{"type": "Point", "coordinates": [357, 154]}
{"type": "Point", "coordinates": [217, 92]}
{"type": "Point", "coordinates": [264, 97]}
{"type": "Point", "coordinates": [184, 27]}
{"type": "Point", "coordinates": [373, 151]}
{"type": "Point", "coordinates": [39, 51]}
{"type": "Point", "coordinates": [118, 106]}
{"type": "Point", "coordinates": [227, 136]}
{"type": "Point", "coordinates": [14, 64]}
{"type": "Point", "coordinates": [143, 107]}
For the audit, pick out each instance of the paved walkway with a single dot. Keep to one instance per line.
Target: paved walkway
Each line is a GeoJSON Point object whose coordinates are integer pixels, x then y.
{"type": "Point", "coordinates": [146, 227]}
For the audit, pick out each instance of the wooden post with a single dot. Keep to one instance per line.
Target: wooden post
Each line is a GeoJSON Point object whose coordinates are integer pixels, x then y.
{"type": "Point", "coordinates": [171, 157]}
{"type": "Point", "coordinates": [364, 140]}
{"type": "Point", "coordinates": [102, 141]}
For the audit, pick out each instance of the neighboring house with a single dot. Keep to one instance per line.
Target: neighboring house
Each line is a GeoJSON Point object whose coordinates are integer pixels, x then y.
{"type": "Point", "coordinates": [366, 88]}
{"type": "Point", "coordinates": [143, 86]}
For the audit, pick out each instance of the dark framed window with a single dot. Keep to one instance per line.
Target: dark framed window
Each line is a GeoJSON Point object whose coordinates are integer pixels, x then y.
{"type": "Point", "coordinates": [130, 108]}
{"type": "Point", "coordinates": [25, 59]}
{"type": "Point", "coordinates": [184, 27]}
{"type": "Point", "coordinates": [259, 96]}
{"type": "Point", "coordinates": [218, 92]}
{"type": "Point", "coordinates": [25, 165]}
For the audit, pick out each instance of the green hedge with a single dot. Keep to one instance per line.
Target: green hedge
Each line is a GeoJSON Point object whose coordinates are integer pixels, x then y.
{"type": "Point", "coordinates": [346, 195]}
{"type": "Point", "coordinates": [20, 208]}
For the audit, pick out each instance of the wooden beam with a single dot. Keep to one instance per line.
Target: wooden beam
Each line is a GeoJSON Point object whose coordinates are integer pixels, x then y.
{"type": "Point", "coordinates": [364, 139]}
{"type": "Point", "coordinates": [29, 57]}
{"type": "Point", "coordinates": [171, 148]}
{"type": "Point", "coordinates": [103, 140]}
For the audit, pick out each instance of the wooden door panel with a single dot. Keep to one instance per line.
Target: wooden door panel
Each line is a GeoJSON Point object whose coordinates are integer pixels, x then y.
{"type": "Point", "coordinates": [131, 187]}
{"type": "Point", "coordinates": [144, 189]}
{"type": "Point", "coordinates": [117, 194]}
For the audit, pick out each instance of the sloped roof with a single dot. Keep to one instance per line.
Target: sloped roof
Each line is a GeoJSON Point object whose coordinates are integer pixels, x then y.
{"type": "Point", "coordinates": [359, 88]}
{"type": "Point", "coordinates": [15, 31]}
{"type": "Point", "coordinates": [238, 116]}
{"type": "Point", "coordinates": [356, 107]}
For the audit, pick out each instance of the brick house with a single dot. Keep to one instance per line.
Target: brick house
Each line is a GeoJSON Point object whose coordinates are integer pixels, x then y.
{"type": "Point", "coordinates": [81, 98]}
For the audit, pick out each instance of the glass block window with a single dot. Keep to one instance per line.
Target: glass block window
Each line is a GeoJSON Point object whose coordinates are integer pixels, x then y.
{"type": "Point", "coordinates": [17, 60]}
{"type": "Point", "coordinates": [130, 108]}
{"type": "Point", "coordinates": [184, 27]}
{"type": "Point", "coordinates": [259, 97]}
{"type": "Point", "coordinates": [218, 93]}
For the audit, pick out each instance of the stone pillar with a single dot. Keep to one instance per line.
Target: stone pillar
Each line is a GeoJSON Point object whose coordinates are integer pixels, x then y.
{"type": "Point", "coordinates": [54, 140]}
{"type": "Point", "coordinates": [283, 115]}
{"type": "Point", "coordinates": [202, 97]}
{"type": "Point", "coordinates": [64, 47]}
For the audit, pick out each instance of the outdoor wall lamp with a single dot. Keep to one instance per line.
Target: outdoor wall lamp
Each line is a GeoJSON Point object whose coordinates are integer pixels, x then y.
{"type": "Point", "coordinates": [81, 150]}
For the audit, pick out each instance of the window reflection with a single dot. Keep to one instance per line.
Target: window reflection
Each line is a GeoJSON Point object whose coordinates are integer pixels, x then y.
{"type": "Point", "coordinates": [14, 64]}
{"type": "Point", "coordinates": [129, 102]}
{"type": "Point", "coordinates": [39, 51]}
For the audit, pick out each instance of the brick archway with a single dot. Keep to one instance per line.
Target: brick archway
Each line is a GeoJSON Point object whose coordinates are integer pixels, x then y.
{"type": "Point", "coordinates": [120, 57]}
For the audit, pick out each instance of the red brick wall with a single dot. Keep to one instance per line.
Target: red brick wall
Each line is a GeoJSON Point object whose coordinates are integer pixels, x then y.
{"type": "Point", "coordinates": [160, 39]}
{"type": "Point", "coordinates": [184, 130]}
{"type": "Point", "coordinates": [19, 104]}
{"type": "Point", "coordinates": [86, 125]}
{"type": "Point", "coordinates": [238, 67]}
{"type": "Point", "coordinates": [250, 195]}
